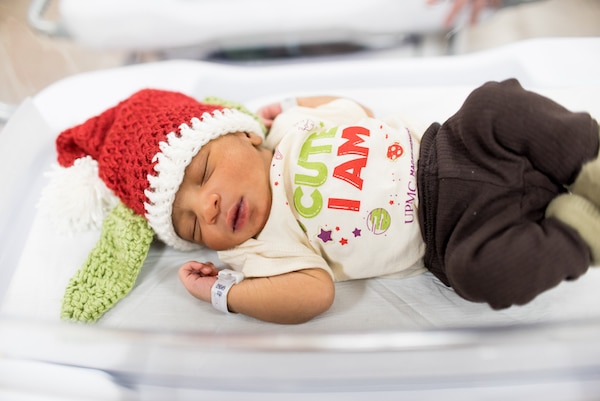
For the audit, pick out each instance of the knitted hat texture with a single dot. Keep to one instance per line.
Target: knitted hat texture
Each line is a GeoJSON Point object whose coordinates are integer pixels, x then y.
{"type": "Point", "coordinates": [143, 145]}
{"type": "Point", "coordinates": [111, 268]}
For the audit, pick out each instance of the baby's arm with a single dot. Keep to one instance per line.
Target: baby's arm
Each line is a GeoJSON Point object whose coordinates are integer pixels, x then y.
{"type": "Point", "coordinates": [289, 298]}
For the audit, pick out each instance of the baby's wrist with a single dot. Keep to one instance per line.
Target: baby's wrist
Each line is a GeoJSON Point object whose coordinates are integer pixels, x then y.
{"type": "Point", "coordinates": [225, 280]}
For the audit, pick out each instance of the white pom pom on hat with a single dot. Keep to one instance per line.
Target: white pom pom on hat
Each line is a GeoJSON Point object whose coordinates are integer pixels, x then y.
{"type": "Point", "coordinates": [76, 199]}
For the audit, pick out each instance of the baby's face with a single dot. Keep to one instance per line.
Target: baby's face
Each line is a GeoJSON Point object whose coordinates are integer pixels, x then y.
{"type": "Point", "coordinates": [225, 196]}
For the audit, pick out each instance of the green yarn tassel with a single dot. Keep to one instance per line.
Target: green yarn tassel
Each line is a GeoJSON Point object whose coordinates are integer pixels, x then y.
{"type": "Point", "coordinates": [112, 267]}
{"type": "Point", "coordinates": [234, 105]}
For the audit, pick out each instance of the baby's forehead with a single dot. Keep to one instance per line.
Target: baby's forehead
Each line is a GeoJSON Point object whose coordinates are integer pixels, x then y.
{"type": "Point", "coordinates": [211, 143]}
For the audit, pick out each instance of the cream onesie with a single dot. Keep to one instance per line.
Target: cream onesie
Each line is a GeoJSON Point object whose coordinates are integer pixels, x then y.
{"type": "Point", "coordinates": [344, 197]}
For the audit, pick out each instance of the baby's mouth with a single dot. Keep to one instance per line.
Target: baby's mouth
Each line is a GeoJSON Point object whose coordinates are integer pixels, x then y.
{"type": "Point", "coordinates": [237, 216]}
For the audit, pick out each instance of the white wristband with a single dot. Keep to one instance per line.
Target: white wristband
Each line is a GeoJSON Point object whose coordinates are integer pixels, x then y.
{"type": "Point", "coordinates": [288, 103]}
{"type": "Point", "coordinates": [218, 293]}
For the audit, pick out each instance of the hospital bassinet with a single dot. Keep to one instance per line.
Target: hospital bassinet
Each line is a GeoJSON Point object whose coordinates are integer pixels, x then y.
{"type": "Point", "coordinates": [383, 338]}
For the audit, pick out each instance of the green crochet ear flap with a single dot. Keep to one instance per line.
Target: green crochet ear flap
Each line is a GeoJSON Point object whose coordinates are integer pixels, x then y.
{"type": "Point", "coordinates": [112, 267]}
{"type": "Point", "coordinates": [234, 105]}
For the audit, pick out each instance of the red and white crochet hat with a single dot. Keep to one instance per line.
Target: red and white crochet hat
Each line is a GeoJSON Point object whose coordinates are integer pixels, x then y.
{"type": "Point", "coordinates": [121, 170]}
{"type": "Point", "coordinates": [139, 150]}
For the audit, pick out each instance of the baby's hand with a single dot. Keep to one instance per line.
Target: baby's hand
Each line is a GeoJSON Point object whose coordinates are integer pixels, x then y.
{"type": "Point", "coordinates": [268, 113]}
{"type": "Point", "coordinates": [198, 278]}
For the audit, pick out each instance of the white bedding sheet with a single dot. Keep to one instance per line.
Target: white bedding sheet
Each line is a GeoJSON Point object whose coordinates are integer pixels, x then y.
{"type": "Point", "coordinates": [159, 301]}
{"type": "Point", "coordinates": [386, 336]}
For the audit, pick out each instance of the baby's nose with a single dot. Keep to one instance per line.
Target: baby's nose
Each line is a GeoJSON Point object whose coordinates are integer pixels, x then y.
{"type": "Point", "coordinates": [211, 208]}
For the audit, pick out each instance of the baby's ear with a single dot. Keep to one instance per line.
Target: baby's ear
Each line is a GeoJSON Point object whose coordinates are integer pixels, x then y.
{"type": "Point", "coordinates": [255, 139]}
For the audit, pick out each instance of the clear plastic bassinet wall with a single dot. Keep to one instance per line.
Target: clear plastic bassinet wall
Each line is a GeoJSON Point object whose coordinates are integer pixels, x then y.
{"type": "Point", "coordinates": [382, 338]}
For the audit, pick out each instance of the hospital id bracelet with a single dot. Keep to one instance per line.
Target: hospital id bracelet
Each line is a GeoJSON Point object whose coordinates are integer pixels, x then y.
{"type": "Point", "coordinates": [218, 293]}
{"type": "Point", "coordinates": [288, 103]}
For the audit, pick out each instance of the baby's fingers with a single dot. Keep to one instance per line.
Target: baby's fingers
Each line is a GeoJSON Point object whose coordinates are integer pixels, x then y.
{"type": "Point", "coordinates": [198, 268]}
